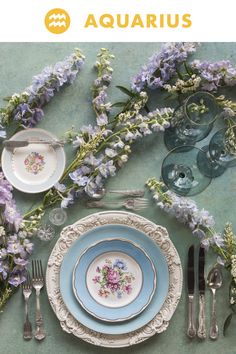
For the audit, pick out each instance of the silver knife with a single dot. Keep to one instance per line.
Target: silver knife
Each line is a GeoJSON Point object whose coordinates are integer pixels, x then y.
{"type": "Point", "coordinates": [201, 333]}
{"type": "Point", "coordinates": [191, 331]}
{"type": "Point", "coordinates": [12, 144]}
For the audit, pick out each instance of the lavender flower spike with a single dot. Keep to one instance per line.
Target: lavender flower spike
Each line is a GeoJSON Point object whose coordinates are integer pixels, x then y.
{"type": "Point", "coordinates": [215, 74]}
{"type": "Point", "coordinates": [26, 108]}
{"type": "Point", "coordinates": [162, 66]}
{"type": "Point", "coordinates": [187, 212]}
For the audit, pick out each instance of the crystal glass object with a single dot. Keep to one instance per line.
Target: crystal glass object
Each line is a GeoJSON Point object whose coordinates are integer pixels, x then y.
{"type": "Point", "coordinates": [220, 147]}
{"type": "Point", "coordinates": [210, 166]}
{"type": "Point", "coordinates": [192, 121]}
{"type": "Point", "coordinates": [181, 174]}
{"type": "Point", "coordinates": [57, 216]}
{"type": "Point", "coordinates": [46, 232]}
{"type": "Point", "coordinates": [220, 153]}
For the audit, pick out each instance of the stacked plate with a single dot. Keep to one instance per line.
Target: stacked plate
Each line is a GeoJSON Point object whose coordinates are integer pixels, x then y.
{"type": "Point", "coordinates": [114, 279]}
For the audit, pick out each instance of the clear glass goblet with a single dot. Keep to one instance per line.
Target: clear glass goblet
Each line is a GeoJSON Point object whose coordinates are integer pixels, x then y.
{"type": "Point", "coordinates": [181, 174]}
{"type": "Point", "coordinates": [220, 154]}
{"type": "Point", "coordinates": [210, 166]}
{"type": "Point", "coordinates": [192, 121]}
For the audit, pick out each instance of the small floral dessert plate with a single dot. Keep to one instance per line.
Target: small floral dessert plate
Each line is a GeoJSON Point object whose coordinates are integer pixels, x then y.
{"type": "Point", "coordinates": [36, 167]}
{"type": "Point", "coordinates": [114, 280]}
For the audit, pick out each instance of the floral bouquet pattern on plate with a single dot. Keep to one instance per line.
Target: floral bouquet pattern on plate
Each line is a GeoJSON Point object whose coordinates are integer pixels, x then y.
{"type": "Point", "coordinates": [113, 279]}
{"type": "Point", "coordinates": [34, 163]}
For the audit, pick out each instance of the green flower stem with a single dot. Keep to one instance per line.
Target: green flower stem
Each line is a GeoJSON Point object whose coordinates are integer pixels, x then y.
{"type": "Point", "coordinates": [153, 184]}
{"type": "Point", "coordinates": [5, 296]}
{"type": "Point", "coordinates": [52, 197]}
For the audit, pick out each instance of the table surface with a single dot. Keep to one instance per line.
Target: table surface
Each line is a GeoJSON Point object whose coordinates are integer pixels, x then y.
{"type": "Point", "coordinates": [72, 106]}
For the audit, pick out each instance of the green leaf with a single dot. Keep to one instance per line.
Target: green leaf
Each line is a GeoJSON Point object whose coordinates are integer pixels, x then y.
{"type": "Point", "coordinates": [126, 91]}
{"type": "Point", "coordinates": [188, 69]}
{"type": "Point", "coordinates": [119, 104]}
{"type": "Point", "coordinates": [227, 323]}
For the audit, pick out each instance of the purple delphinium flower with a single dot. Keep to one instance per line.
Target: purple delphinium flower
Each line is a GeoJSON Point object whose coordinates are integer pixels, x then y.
{"type": "Point", "coordinates": [186, 211]}
{"type": "Point", "coordinates": [5, 190]}
{"type": "Point", "coordinates": [162, 66]}
{"type": "Point", "coordinates": [100, 85]}
{"type": "Point", "coordinates": [17, 277]}
{"type": "Point", "coordinates": [215, 74]}
{"type": "Point", "coordinates": [102, 119]}
{"type": "Point", "coordinates": [14, 247]}
{"type": "Point", "coordinates": [69, 199]}
{"type": "Point", "coordinates": [107, 169]}
{"type": "Point", "coordinates": [20, 261]}
{"type": "Point", "coordinates": [27, 107]}
{"type": "Point", "coordinates": [12, 216]}
{"type": "Point", "coordinates": [60, 187]}
{"type": "Point", "coordinates": [4, 269]}
{"type": "Point", "coordinates": [80, 176]}
{"type": "Point", "coordinates": [10, 213]}
{"type": "Point", "coordinates": [90, 176]}
{"type": "Point", "coordinates": [3, 254]}
{"type": "Point", "coordinates": [28, 246]}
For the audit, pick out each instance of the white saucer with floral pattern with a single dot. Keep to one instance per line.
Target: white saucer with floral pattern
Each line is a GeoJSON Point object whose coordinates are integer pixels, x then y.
{"type": "Point", "coordinates": [34, 168]}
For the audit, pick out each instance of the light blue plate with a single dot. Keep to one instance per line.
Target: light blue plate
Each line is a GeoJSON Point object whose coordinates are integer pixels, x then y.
{"type": "Point", "coordinates": [93, 289]}
{"type": "Point", "coordinates": [99, 234]}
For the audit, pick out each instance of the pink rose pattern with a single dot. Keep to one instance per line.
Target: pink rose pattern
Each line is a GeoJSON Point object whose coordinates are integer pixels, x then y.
{"type": "Point", "coordinates": [34, 163]}
{"type": "Point", "coordinates": [113, 279]}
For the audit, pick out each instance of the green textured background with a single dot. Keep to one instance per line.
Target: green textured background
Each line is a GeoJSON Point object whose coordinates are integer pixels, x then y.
{"type": "Point", "coordinates": [71, 106]}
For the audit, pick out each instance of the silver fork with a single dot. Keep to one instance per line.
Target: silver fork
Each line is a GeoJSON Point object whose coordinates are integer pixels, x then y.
{"type": "Point", "coordinates": [38, 283]}
{"type": "Point", "coordinates": [130, 204]}
{"type": "Point", "coordinates": [129, 192]}
{"type": "Point", "coordinates": [27, 291]}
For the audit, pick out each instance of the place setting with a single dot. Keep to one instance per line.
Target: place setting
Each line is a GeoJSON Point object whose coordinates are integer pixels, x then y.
{"type": "Point", "coordinates": [114, 280]}
{"type": "Point", "coordinates": [114, 277]}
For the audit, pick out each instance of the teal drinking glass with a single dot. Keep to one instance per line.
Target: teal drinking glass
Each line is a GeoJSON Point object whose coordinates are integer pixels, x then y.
{"type": "Point", "coordinates": [192, 121]}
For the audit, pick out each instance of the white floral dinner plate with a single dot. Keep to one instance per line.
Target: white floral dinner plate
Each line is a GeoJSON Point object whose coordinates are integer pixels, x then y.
{"type": "Point", "coordinates": [36, 167]}
{"type": "Point", "coordinates": [114, 280]}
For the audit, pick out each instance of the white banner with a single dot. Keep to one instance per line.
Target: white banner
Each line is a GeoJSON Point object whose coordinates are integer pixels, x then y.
{"type": "Point", "coordinates": [117, 20]}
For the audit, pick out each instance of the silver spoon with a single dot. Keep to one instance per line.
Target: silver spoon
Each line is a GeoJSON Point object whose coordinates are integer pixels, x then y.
{"type": "Point", "coordinates": [214, 281]}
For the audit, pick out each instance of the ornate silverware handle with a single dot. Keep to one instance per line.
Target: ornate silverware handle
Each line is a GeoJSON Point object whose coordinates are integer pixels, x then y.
{"type": "Point", "coordinates": [11, 144]}
{"type": "Point", "coordinates": [40, 331]}
{"type": "Point", "coordinates": [214, 330]}
{"type": "Point", "coordinates": [191, 331]}
{"type": "Point", "coordinates": [201, 333]}
{"type": "Point", "coordinates": [27, 329]}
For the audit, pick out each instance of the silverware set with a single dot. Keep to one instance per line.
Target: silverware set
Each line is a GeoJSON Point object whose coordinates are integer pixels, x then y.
{"type": "Point", "coordinates": [136, 193]}
{"type": "Point", "coordinates": [214, 281]}
{"type": "Point", "coordinates": [137, 202]}
{"type": "Point", "coordinates": [37, 283]}
{"type": "Point", "coordinates": [129, 204]}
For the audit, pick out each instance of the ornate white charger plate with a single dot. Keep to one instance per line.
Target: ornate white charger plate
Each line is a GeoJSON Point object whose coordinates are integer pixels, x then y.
{"type": "Point", "coordinates": [156, 233]}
